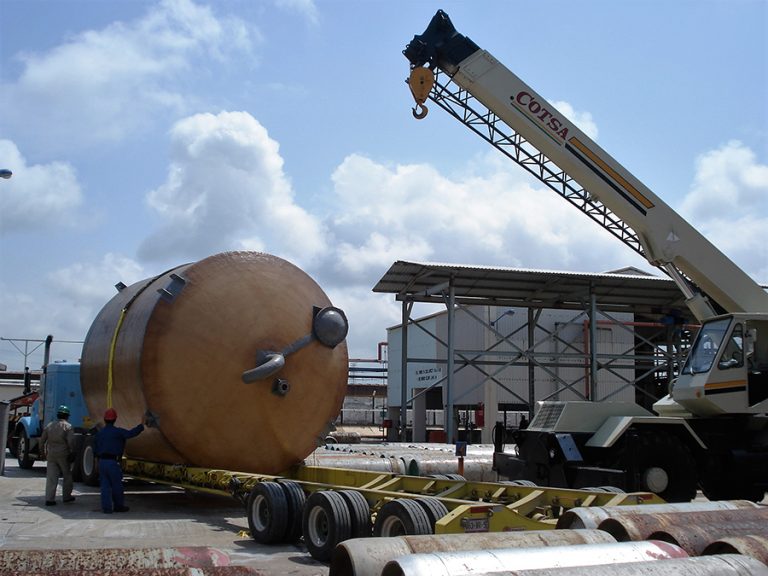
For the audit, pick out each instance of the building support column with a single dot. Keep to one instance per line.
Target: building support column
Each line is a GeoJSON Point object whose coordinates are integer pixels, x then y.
{"type": "Point", "coordinates": [450, 427]}
{"type": "Point", "coordinates": [404, 372]}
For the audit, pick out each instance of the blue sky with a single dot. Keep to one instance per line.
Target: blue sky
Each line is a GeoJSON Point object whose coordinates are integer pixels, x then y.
{"type": "Point", "coordinates": [144, 135]}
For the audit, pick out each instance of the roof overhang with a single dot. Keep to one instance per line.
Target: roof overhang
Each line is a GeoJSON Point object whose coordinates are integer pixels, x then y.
{"type": "Point", "coordinates": [514, 287]}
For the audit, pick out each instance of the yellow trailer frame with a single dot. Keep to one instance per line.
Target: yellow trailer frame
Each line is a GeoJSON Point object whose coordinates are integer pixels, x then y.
{"type": "Point", "coordinates": [472, 506]}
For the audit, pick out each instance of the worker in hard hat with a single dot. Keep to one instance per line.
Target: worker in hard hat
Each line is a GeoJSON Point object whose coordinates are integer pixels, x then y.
{"type": "Point", "coordinates": [58, 442]}
{"type": "Point", "coordinates": [109, 444]}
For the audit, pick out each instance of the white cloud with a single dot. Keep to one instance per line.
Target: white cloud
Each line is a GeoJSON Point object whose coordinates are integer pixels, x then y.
{"type": "Point", "coordinates": [411, 212]}
{"type": "Point", "coordinates": [38, 195]}
{"type": "Point", "coordinates": [307, 8]}
{"type": "Point", "coordinates": [101, 85]}
{"type": "Point", "coordinates": [583, 120]}
{"type": "Point", "coordinates": [63, 303]}
{"type": "Point", "coordinates": [226, 190]}
{"type": "Point", "coordinates": [728, 203]}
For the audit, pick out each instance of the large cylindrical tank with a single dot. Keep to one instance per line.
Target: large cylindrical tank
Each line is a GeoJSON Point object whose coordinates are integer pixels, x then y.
{"type": "Point", "coordinates": [178, 345]}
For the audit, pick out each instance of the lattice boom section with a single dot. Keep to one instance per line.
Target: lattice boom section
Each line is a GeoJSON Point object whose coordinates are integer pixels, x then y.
{"type": "Point", "coordinates": [472, 113]}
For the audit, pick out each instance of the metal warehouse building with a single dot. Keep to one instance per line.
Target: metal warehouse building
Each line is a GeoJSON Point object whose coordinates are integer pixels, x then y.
{"type": "Point", "coordinates": [504, 338]}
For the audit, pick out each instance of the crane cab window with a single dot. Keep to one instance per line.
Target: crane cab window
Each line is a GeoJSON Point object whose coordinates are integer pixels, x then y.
{"type": "Point", "coordinates": [733, 351]}
{"type": "Point", "coordinates": [707, 346]}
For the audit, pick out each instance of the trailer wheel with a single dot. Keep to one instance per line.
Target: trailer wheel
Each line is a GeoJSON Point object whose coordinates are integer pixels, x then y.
{"type": "Point", "coordinates": [434, 509]}
{"type": "Point", "coordinates": [402, 517]}
{"type": "Point", "coordinates": [665, 466]}
{"type": "Point", "coordinates": [26, 461]}
{"type": "Point", "coordinates": [527, 483]}
{"type": "Point", "coordinates": [359, 513]}
{"type": "Point", "coordinates": [86, 463]}
{"type": "Point", "coordinates": [267, 509]}
{"type": "Point", "coordinates": [456, 477]}
{"type": "Point", "coordinates": [326, 523]}
{"type": "Point", "coordinates": [296, 499]}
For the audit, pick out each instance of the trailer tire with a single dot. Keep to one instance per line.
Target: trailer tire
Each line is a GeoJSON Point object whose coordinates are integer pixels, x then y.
{"type": "Point", "coordinates": [526, 483]}
{"type": "Point", "coordinates": [402, 517]}
{"type": "Point", "coordinates": [86, 464]}
{"type": "Point", "coordinates": [326, 523]}
{"type": "Point", "coordinates": [359, 513]}
{"type": "Point", "coordinates": [434, 509]}
{"type": "Point", "coordinates": [296, 499]}
{"type": "Point", "coordinates": [23, 448]}
{"type": "Point", "coordinates": [267, 509]}
{"type": "Point", "coordinates": [456, 477]}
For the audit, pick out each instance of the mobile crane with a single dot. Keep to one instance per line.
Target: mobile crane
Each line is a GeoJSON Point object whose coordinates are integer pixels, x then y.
{"type": "Point", "coordinates": [711, 430]}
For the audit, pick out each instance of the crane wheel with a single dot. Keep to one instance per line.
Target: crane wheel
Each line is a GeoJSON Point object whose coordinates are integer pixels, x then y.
{"type": "Point", "coordinates": [664, 465]}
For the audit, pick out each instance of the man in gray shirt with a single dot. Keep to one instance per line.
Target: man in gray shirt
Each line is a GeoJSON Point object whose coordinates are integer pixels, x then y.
{"type": "Point", "coordinates": [58, 440]}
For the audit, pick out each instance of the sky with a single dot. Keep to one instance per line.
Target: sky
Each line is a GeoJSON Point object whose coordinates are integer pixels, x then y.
{"type": "Point", "coordinates": [147, 134]}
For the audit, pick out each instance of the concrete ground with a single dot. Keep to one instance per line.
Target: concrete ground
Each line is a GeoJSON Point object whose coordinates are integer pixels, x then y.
{"type": "Point", "coordinates": [159, 517]}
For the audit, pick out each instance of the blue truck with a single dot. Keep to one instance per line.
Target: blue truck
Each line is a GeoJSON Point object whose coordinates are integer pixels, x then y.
{"type": "Point", "coordinates": [59, 384]}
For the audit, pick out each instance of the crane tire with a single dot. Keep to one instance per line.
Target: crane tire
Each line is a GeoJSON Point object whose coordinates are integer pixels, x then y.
{"type": "Point", "coordinates": [665, 456]}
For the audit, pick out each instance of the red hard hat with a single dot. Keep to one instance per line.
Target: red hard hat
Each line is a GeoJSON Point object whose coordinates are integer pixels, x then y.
{"type": "Point", "coordinates": [110, 414]}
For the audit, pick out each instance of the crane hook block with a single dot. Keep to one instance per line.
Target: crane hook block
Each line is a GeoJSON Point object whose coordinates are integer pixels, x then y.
{"type": "Point", "coordinates": [420, 82]}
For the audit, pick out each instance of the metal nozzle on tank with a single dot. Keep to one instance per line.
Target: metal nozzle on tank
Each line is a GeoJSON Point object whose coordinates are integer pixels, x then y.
{"type": "Point", "coordinates": [329, 327]}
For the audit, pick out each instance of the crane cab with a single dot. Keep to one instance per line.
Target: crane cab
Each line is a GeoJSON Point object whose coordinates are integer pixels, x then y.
{"type": "Point", "coordinates": [726, 371]}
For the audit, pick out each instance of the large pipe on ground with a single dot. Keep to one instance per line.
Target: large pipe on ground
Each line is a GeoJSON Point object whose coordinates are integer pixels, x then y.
{"type": "Point", "coordinates": [239, 359]}
{"type": "Point", "coordinates": [692, 531]}
{"type": "Point", "coordinates": [368, 556]}
{"type": "Point", "coordinates": [490, 561]}
{"type": "Point", "coordinates": [753, 546]}
{"type": "Point", "coordinates": [727, 565]}
{"type": "Point", "coordinates": [591, 516]}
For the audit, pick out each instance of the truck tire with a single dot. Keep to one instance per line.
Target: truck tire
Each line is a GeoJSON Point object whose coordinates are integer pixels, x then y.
{"type": "Point", "coordinates": [664, 465]}
{"type": "Point", "coordinates": [23, 449]}
{"type": "Point", "coordinates": [86, 464]}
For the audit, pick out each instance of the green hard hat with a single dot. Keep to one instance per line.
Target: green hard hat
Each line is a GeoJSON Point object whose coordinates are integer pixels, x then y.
{"type": "Point", "coordinates": [63, 410]}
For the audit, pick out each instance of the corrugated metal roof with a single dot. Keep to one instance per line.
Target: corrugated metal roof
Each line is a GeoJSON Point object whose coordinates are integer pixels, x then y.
{"type": "Point", "coordinates": [499, 286]}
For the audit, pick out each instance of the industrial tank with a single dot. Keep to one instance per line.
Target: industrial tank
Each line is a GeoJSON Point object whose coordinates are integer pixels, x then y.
{"type": "Point", "coordinates": [239, 358]}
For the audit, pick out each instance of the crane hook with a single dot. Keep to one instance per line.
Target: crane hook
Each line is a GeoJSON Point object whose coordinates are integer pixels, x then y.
{"type": "Point", "coordinates": [420, 82]}
{"type": "Point", "coordinates": [419, 111]}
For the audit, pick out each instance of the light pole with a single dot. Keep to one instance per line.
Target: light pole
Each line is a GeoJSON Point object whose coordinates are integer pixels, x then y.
{"type": "Point", "coordinates": [5, 173]}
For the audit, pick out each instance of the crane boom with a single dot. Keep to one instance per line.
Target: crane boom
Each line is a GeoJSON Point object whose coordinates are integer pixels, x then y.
{"type": "Point", "coordinates": [563, 157]}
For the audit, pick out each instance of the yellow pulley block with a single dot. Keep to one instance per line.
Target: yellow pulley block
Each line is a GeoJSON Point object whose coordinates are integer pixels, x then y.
{"type": "Point", "coordinates": [420, 82]}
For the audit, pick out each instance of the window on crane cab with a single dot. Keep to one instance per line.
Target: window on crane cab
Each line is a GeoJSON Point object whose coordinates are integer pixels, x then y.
{"type": "Point", "coordinates": [707, 346]}
{"type": "Point", "coordinates": [733, 351]}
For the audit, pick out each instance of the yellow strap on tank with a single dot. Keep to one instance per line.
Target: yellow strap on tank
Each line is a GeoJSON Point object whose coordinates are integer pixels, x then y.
{"type": "Point", "coordinates": [112, 347]}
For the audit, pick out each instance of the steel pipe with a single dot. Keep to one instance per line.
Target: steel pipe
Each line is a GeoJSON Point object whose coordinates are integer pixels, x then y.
{"type": "Point", "coordinates": [753, 546]}
{"type": "Point", "coordinates": [490, 561]}
{"type": "Point", "coordinates": [726, 565]}
{"type": "Point", "coordinates": [591, 516]}
{"type": "Point", "coordinates": [692, 531]}
{"type": "Point", "coordinates": [368, 556]}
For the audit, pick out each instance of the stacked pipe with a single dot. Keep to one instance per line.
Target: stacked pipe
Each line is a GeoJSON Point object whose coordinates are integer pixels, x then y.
{"type": "Point", "coordinates": [726, 538]}
{"type": "Point", "coordinates": [692, 531]}
{"type": "Point", "coordinates": [416, 459]}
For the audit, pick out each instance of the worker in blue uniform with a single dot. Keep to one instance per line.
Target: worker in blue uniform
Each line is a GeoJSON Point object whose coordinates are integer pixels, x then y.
{"type": "Point", "coordinates": [108, 446]}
